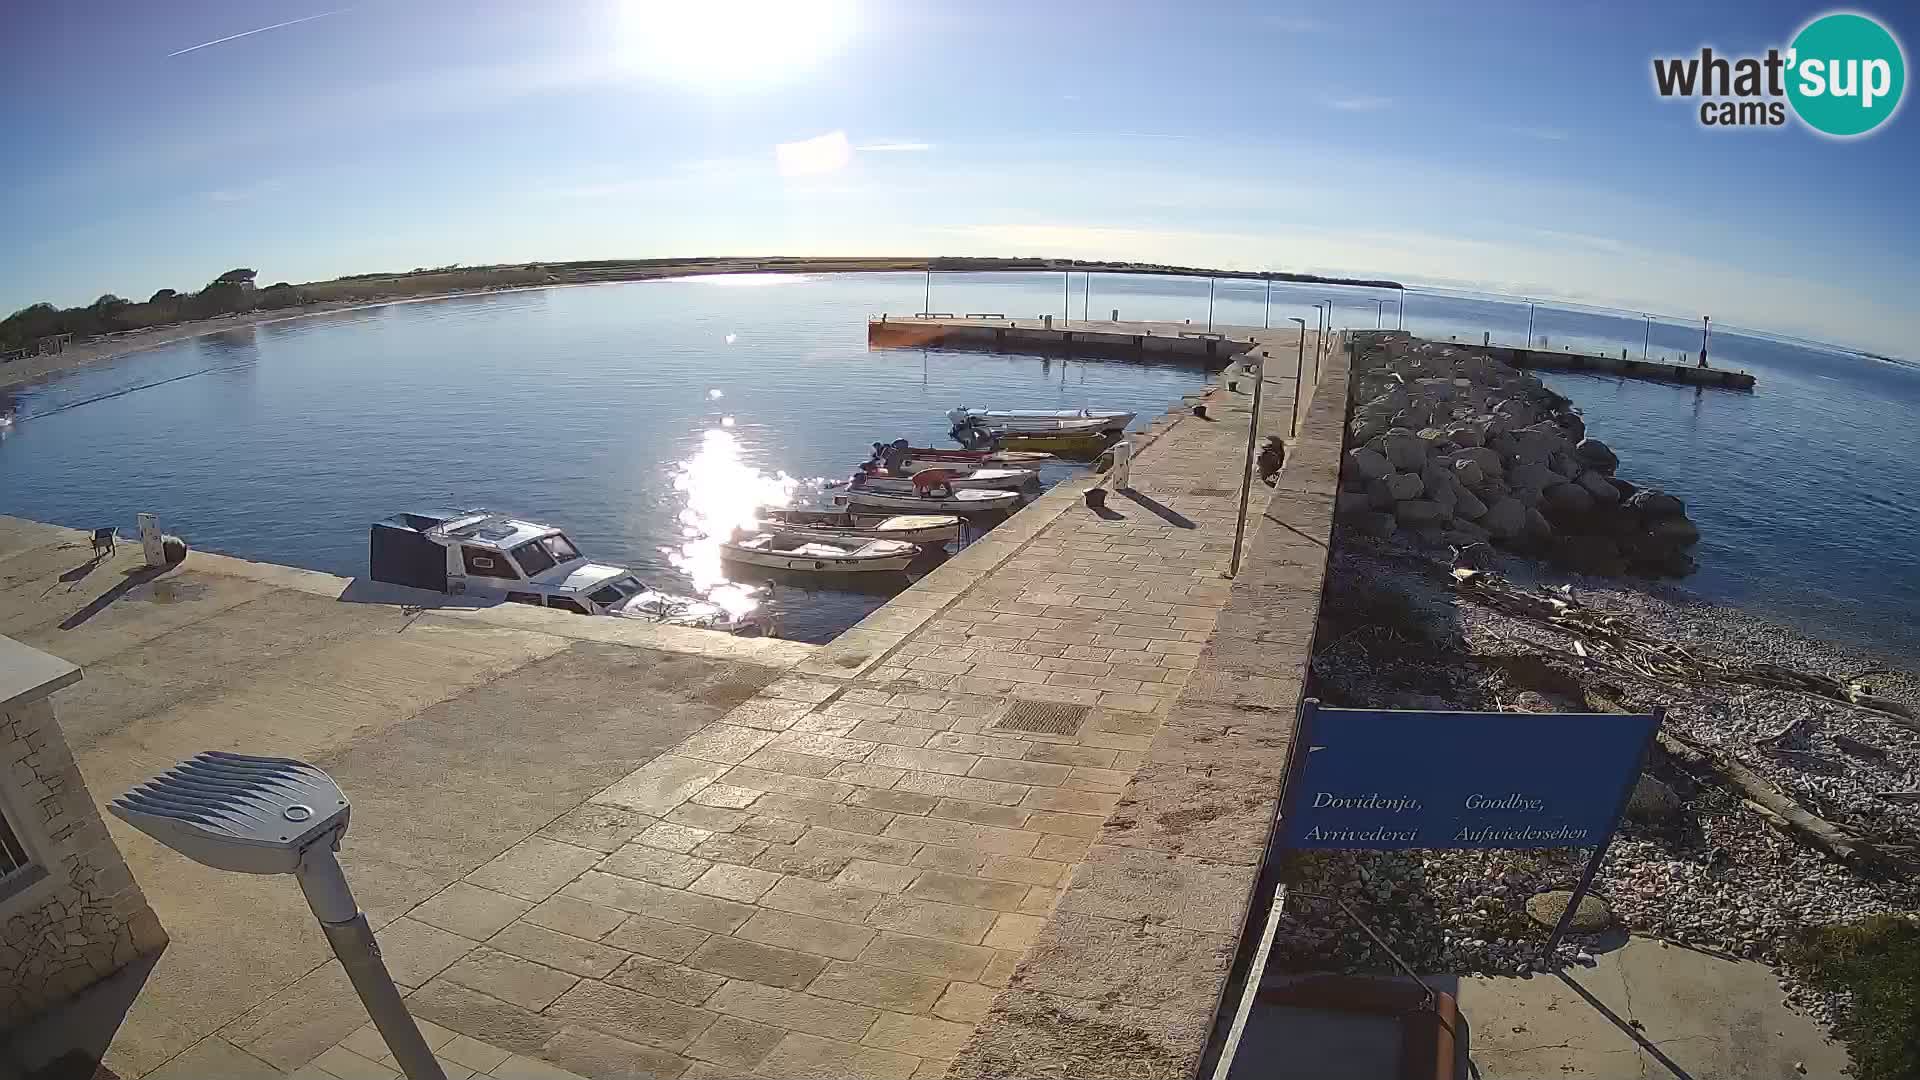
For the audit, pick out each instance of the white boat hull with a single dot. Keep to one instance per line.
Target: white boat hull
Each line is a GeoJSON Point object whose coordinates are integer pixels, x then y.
{"type": "Point", "coordinates": [960, 502]}
{"type": "Point", "coordinates": [1039, 422]}
{"type": "Point", "coordinates": [792, 550]}
{"type": "Point", "coordinates": [844, 525]}
{"type": "Point", "coordinates": [976, 480]}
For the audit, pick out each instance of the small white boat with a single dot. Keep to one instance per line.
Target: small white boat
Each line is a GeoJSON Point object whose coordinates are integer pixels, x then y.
{"type": "Point", "coordinates": [921, 457]}
{"type": "Point", "coordinates": [842, 524]}
{"type": "Point", "coordinates": [961, 479]}
{"type": "Point", "coordinates": [962, 501]}
{"type": "Point", "coordinates": [787, 550]}
{"type": "Point", "coordinates": [1041, 421]}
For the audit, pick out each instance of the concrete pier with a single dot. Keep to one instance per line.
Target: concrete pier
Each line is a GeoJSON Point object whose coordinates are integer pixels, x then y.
{"type": "Point", "coordinates": [1548, 360]}
{"type": "Point", "coordinates": [1143, 340]}
{"type": "Point", "coordinates": [594, 846]}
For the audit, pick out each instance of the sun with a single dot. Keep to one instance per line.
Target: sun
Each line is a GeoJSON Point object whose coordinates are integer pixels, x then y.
{"type": "Point", "coordinates": [730, 44]}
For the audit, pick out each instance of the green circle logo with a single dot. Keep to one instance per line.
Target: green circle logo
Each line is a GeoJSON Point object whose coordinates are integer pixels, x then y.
{"type": "Point", "coordinates": [1845, 75]}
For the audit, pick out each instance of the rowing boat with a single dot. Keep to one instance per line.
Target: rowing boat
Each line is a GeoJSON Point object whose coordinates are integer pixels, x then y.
{"type": "Point", "coordinates": [963, 501]}
{"type": "Point", "coordinates": [795, 550]}
{"type": "Point", "coordinates": [1075, 447]}
{"type": "Point", "coordinates": [921, 457]}
{"type": "Point", "coordinates": [1041, 421]}
{"type": "Point", "coordinates": [962, 480]}
{"type": "Point", "coordinates": [844, 524]}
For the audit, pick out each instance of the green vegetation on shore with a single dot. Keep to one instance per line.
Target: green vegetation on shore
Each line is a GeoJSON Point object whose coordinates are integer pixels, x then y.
{"type": "Point", "coordinates": [233, 292]}
{"type": "Point", "coordinates": [1876, 962]}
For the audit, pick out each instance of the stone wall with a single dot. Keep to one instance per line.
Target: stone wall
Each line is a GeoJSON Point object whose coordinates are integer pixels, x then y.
{"type": "Point", "coordinates": [1152, 921]}
{"type": "Point", "coordinates": [79, 916]}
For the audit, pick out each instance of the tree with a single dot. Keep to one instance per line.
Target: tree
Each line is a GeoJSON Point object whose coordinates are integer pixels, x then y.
{"type": "Point", "coordinates": [238, 276]}
{"type": "Point", "coordinates": [163, 296]}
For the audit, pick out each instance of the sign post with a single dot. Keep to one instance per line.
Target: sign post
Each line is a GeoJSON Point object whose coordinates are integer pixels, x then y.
{"type": "Point", "coordinates": [1378, 779]}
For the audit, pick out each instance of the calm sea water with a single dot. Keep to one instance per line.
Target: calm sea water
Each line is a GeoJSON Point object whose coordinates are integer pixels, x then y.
{"type": "Point", "coordinates": [634, 413]}
{"type": "Point", "coordinates": [629, 414]}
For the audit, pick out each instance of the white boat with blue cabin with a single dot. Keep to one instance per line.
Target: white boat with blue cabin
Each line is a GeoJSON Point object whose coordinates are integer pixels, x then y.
{"type": "Point", "coordinates": [493, 557]}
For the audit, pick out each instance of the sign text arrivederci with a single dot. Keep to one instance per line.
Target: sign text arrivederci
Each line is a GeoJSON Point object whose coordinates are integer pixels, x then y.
{"type": "Point", "coordinates": [1373, 778]}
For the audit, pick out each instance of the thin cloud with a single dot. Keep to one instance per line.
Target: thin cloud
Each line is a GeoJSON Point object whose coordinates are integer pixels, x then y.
{"type": "Point", "coordinates": [1361, 103]}
{"type": "Point", "coordinates": [895, 148]}
{"type": "Point", "coordinates": [812, 157]}
{"type": "Point", "coordinates": [258, 30]}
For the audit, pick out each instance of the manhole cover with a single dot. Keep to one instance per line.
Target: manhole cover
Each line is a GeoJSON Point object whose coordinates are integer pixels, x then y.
{"type": "Point", "coordinates": [1211, 493]}
{"type": "Point", "coordinates": [1043, 717]}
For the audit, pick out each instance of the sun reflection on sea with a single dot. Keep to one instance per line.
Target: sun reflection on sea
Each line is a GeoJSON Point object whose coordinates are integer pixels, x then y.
{"type": "Point", "coordinates": [723, 493]}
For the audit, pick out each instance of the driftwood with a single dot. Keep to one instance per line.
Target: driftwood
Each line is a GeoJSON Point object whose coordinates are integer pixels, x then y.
{"type": "Point", "coordinates": [1616, 643]}
{"type": "Point", "coordinates": [1783, 813]}
{"type": "Point", "coordinates": [1613, 643]}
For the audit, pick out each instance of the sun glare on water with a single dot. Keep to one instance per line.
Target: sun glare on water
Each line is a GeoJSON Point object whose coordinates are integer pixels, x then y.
{"type": "Point", "coordinates": [723, 493]}
{"type": "Point", "coordinates": [730, 44]}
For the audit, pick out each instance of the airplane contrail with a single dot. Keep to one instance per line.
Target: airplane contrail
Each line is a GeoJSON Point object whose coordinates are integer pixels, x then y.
{"type": "Point", "coordinates": [260, 30]}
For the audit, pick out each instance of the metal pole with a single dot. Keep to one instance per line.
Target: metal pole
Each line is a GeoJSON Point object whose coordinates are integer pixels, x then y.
{"type": "Point", "coordinates": [1299, 362]}
{"type": "Point", "coordinates": [1529, 324]}
{"type": "Point", "coordinates": [1209, 305]}
{"type": "Point", "coordinates": [1378, 307]}
{"type": "Point", "coordinates": [1403, 309]}
{"type": "Point", "coordinates": [926, 300]}
{"type": "Point", "coordinates": [1266, 317]}
{"type": "Point", "coordinates": [1066, 296]}
{"type": "Point", "coordinates": [1246, 472]}
{"type": "Point", "coordinates": [1706, 331]}
{"type": "Point", "coordinates": [1593, 865]}
{"type": "Point", "coordinates": [1648, 343]}
{"type": "Point", "coordinates": [1086, 298]}
{"type": "Point", "coordinates": [347, 931]}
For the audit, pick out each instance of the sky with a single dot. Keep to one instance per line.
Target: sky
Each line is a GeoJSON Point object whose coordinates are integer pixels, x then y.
{"type": "Point", "coordinates": [1514, 148]}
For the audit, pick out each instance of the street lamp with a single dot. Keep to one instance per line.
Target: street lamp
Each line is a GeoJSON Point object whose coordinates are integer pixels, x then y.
{"type": "Point", "coordinates": [269, 815]}
{"type": "Point", "coordinates": [1246, 471]}
{"type": "Point", "coordinates": [1298, 363]}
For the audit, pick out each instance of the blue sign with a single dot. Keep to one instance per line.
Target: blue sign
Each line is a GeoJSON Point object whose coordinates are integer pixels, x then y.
{"type": "Point", "coordinates": [1376, 778]}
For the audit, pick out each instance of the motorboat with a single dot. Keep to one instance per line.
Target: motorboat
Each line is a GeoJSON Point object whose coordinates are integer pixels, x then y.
{"type": "Point", "coordinates": [961, 479]}
{"type": "Point", "coordinates": [1071, 447]}
{"type": "Point", "coordinates": [494, 557]}
{"type": "Point", "coordinates": [949, 501]}
{"type": "Point", "coordinates": [921, 457]}
{"type": "Point", "coordinates": [1041, 421]}
{"type": "Point", "coordinates": [843, 524]}
{"type": "Point", "coordinates": [799, 550]}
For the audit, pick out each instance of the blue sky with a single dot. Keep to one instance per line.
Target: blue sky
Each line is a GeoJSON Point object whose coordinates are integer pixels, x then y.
{"type": "Point", "coordinates": [1515, 147]}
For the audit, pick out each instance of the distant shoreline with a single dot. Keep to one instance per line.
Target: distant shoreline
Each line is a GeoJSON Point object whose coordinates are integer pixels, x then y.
{"type": "Point", "coordinates": [378, 290]}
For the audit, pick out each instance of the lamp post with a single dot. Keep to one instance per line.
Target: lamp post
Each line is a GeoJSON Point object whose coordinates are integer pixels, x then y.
{"type": "Point", "coordinates": [269, 815]}
{"type": "Point", "coordinates": [1246, 471]}
{"type": "Point", "coordinates": [1299, 362]}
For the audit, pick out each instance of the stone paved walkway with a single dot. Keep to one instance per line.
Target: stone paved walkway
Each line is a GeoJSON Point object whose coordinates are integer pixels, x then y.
{"type": "Point", "coordinates": [837, 877]}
